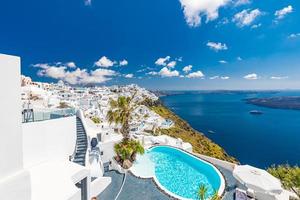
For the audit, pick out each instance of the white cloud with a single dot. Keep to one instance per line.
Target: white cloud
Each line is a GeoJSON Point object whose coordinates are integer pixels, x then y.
{"type": "Point", "coordinates": [294, 35]}
{"type": "Point", "coordinates": [246, 17]}
{"type": "Point", "coordinates": [255, 26]}
{"type": "Point", "coordinates": [87, 2]}
{"type": "Point", "coordinates": [78, 76]}
{"type": "Point", "coordinates": [239, 58]}
{"type": "Point", "coordinates": [171, 64]}
{"type": "Point", "coordinates": [166, 72]}
{"type": "Point", "coordinates": [152, 73]}
{"type": "Point", "coordinates": [251, 77]}
{"type": "Point", "coordinates": [219, 77]}
{"type": "Point", "coordinates": [71, 64]}
{"type": "Point", "coordinates": [128, 76]}
{"type": "Point", "coordinates": [213, 77]}
{"type": "Point", "coordinates": [123, 62]}
{"type": "Point", "coordinates": [104, 62]}
{"type": "Point", "coordinates": [54, 72]}
{"type": "Point", "coordinates": [225, 77]}
{"type": "Point", "coordinates": [162, 61]}
{"type": "Point", "coordinates": [223, 61]}
{"type": "Point", "coordinates": [194, 9]}
{"type": "Point", "coordinates": [217, 46]}
{"type": "Point", "coordinates": [241, 2]}
{"type": "Point", "coordinates": [280, 14]}
{"type": "Point", "coordinates": [187, 68]}
{"type": "Point", "coordinates": [179, 59]}
{"type": "Point", "coordinates": [278, 77]}
{"type": "Point", "coordinates": [197, 74]}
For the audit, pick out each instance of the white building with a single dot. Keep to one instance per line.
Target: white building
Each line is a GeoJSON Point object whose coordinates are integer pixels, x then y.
{"type": "Point", "coordinates": [35, 156]}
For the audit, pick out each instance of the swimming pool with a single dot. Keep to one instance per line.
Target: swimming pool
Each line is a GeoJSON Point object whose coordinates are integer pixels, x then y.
{"type": "Point", "coordinates": [178, 173]}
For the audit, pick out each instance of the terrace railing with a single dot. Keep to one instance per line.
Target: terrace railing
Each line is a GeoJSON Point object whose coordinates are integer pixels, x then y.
{"type": "Point", "coordinates": [30, 115]}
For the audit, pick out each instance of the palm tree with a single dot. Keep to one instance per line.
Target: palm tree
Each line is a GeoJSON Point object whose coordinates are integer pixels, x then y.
{"type": "Point", "coordinates": [215, 196]}
{"type": "Point", "coordinates": [120, 113]}
{"type": "Point", "coordinates": [202, 192]}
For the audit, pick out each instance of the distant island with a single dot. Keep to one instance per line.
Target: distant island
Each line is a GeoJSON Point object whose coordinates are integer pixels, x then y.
{"type": "Point", "coordinates": [276, 102]}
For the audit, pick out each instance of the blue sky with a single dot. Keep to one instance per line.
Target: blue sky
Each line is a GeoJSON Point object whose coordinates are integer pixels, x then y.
{"type": "Point", "coordinates": [220, 44]}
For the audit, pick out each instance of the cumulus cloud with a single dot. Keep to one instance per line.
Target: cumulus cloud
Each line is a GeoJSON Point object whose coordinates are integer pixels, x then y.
{"type": "Point", "coordinates": [152, 73]}
{"type": "Point", "coordinates": [74, 77]}
{"type": "Point", "coordinates": [162, 61]}
{"type": "Point", "coordinates": [255, 26]}
{"type": "Point", "coordinates": [246, 17]}
{"type": "Point", "coordinates": [179, 59]}
{"type": "Point", "coordinates": [241, 2]}
{"type": "Point", "coordinates": [222, 61]}
{"type": "Point", "coordinates": [217, 46]}
{"type": "Point", "coordinates": [213, 77]}
{"type": "Point", "coordinates": [166, 72]}
{"type": "Point", "coordinates": [251, 76]}
{"type": "Point", "coordinates": [187, 68]}
{"type": "Point", "coordinates": [71, 64]}
{"type": "Point", "coordinates": [239, 58]}
{"type": "Point", "coordinates": [123, 62]}
{"type": "Point", "coordinates": [294, 35]}
{"type": "Point", "coordinates": [278, 77]}
{"type": "Point", "coordinates": [104, 62]}
{"type": "Point", "coordinates": [194, 10]}
{"type": "Point", "coordinates": [128, 76]}
{"type": "Point", "coordinates": [280, 14]}
{"type": "Point", "coordinates": [225, 77]}
{"type": "Point", "coordinates": [197, 74]}
{"type": "Point", "coordinates": [171, 64]}
{"type": "Point", "coordinates": [219, 77]}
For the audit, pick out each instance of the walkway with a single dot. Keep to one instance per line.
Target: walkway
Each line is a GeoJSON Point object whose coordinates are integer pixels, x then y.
{"type": "Point", "coordinates": [136, 188]}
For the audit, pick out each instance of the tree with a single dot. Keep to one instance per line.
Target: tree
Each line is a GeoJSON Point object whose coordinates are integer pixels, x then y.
{"type": "Point", "coordinates": [289, 177]}
{"type": "Point", "coordinates": [215, 196]}
{"type": "Point", "coordinates": [202, 192]}
{"type": "Point", "coordinates": [120, 113]}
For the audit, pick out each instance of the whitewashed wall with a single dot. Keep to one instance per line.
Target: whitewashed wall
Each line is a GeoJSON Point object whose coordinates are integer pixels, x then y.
{"type": "Point", "coordinates": [48, 140]}
{"type": "Point", "coordinates": [14, 180]}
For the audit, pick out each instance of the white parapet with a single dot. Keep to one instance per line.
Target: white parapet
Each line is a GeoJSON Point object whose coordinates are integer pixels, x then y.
{"type": "Point", "coordinates": [14, 179]}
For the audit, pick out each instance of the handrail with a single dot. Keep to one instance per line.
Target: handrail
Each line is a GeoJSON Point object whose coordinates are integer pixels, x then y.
{"type": "Point", "coordinates": [29, 115]}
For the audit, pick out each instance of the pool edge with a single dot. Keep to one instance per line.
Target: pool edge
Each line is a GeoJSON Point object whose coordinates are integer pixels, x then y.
{"type": "Point", "coordinates": [221, 190]}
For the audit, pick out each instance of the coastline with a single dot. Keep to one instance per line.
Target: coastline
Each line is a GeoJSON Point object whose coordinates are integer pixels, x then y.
{"type": "Point", "coordinates": [182, 129]}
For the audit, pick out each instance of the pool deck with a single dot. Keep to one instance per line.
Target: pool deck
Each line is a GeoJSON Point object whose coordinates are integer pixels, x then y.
{"type": "Point", "coordinates": [146, 189]}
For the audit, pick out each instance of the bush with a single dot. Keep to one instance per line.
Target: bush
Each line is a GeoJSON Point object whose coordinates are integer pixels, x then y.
{"type": "Point", "coordinates": [96, 120]}
{"type": "Point", "coordinates": [289, 177]}
{"type": "Point", "coordinates": [127, 150]}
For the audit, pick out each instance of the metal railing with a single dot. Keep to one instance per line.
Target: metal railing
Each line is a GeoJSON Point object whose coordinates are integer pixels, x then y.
{"type": "Point", "coordinates": [30, 115]}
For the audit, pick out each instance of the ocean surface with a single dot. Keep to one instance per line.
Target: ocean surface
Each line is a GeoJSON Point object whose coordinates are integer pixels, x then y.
{"type": "Point", "coordinates": [259, 140]}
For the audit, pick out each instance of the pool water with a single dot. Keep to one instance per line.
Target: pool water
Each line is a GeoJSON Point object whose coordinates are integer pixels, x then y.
{"type": "Point", "coordinates": [180, 173]}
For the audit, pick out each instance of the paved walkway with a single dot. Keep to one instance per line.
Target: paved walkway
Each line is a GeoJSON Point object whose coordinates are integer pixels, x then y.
{"type": "Point", "coordinates": [144, 189]}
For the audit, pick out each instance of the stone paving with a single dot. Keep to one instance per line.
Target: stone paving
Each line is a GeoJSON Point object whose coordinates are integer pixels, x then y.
{"type": "Point", "coordinates": [145, 189]}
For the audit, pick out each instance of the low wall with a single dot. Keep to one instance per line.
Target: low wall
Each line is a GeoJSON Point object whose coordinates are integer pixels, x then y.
{"type": "Point", "coordinates": [48, 140]}
{"type": "Point", "coordinates": [227, 165]}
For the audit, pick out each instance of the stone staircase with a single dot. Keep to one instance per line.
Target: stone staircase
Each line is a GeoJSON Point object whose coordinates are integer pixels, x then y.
{"type": "Point", "coordinates": [81, 143]}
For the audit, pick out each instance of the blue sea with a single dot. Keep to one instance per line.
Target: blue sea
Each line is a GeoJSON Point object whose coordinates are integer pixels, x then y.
{"type": "Point", "coordinates": [258, 140]}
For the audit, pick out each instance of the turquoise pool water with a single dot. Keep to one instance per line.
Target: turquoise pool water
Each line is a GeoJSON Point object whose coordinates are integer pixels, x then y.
{"type": "Point", "coordinates": [178, 172]}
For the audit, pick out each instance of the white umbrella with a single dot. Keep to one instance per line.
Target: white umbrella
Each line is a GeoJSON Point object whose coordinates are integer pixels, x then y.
{"type": "Point", "coordinates": [257, 179]}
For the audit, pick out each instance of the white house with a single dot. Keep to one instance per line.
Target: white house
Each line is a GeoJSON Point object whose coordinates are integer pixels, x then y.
{"type": "Point", "coordinates": [35, 156]}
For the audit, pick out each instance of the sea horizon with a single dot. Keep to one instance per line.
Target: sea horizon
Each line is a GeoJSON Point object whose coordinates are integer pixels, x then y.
{"type": "Point", "coordinates": [213, 111]}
